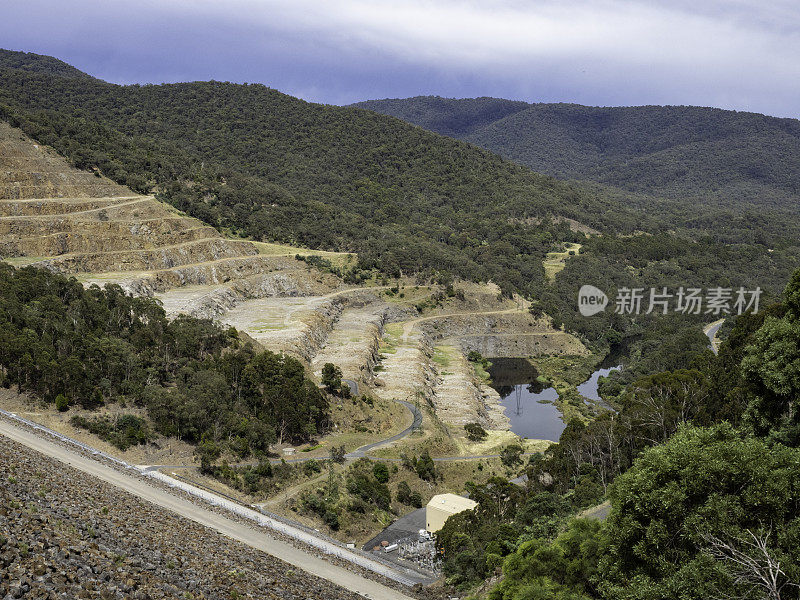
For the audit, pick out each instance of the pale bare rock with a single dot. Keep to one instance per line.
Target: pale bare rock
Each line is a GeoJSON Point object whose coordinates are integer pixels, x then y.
{"type": "Point", "coordinates": [297, 326]}
{"type": "Point", "coordinates": [495, 412]}
{"type": "Point", "coordinates": [459, 398]}
{"type": "Point", "coordinates": [352, 344]}
{"type": "Point", "coordinates": [407, 371]}
{"type": "Point", "coordinates": [503, 333]}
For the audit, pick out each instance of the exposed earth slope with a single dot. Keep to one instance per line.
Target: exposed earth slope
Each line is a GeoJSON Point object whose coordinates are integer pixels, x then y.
{"type": "Point", "coordinates": [71, 221]}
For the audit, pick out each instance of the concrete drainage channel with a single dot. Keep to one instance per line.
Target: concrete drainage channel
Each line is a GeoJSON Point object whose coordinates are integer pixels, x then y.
{"type": "Point", "coordinates": [328, 546]}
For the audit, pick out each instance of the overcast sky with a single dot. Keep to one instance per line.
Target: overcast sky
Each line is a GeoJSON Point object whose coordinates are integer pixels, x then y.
{"type": "Point", "coordinates": [739, 54]}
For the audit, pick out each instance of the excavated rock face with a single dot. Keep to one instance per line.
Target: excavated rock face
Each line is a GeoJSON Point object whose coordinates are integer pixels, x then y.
{"type": "Point", "coordinates": [505, 335]}
{"type": "Point", "coordinates": [64, 534]}
{"type": "Point", "coordinates": [71, 221]}
{"type": "Point", "coordinates": [78, 221]}
{"type": "Point", "coordinates": [28, 170]}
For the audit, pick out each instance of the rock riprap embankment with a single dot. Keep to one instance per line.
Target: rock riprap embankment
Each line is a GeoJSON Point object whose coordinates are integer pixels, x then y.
{"type": "Point", "coordinates": [64, 534]}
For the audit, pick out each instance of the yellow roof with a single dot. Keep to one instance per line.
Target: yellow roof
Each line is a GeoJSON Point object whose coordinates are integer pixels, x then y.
{"type": "Point", "coordinates": [451, 503]}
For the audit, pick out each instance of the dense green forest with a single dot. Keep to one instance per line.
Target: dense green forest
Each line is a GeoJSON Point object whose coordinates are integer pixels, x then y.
{"type": "Point", "coordinates": [707, 154]}
{"type": "Point", "coordinates": [659, 342]}
{"type": "Point", "coordinates": [269, 166]}
{"type": "Point", "coordinates": [197, 381]}
{"type": "Point", "coordinates": [39, 63]}
{"type": "Point", "coordinates": [254, 161]}
{"type": "Point", "coordinates": [701, 466]}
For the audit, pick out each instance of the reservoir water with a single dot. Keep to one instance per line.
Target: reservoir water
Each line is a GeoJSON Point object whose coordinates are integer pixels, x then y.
{"type": "Point", "coordinates": [528, 402]}
{"type": "Point", "coordinates": [588, 389]}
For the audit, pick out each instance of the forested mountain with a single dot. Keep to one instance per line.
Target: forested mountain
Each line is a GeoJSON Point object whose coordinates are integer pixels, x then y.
{"type": "Point", "coordinates": [266, 165]}
{"type": "Point", "coordinates": [457, 118]}
{"type": "Point", "coordinates": [700, 454]}
{"type": "Point", "coordinates": [669, 151]}
{"type": "Point", "coordinates": [271, 166]}
{"type": "Point", "coordinates": [39, 63]}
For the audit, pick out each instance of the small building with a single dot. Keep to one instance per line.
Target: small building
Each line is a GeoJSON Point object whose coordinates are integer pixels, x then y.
{"type": "Point", "coordinates": [443, 506]}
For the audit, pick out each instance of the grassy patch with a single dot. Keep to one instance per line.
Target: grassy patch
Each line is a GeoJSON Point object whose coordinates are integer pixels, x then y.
{"type": "Point", "coordinates": [23, 261]}
{"type": "Point", "coordinates": [392, 338]}
{"type": "Point", "coordinates": [554, 262]}
{"type": "Point", "coordinates": [570, 370]}
{"type": "Point", "coordinates": [443, 356]}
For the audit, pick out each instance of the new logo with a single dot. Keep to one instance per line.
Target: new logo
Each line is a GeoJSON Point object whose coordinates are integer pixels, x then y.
{"type": "Point", "coordinates": [591, 300]}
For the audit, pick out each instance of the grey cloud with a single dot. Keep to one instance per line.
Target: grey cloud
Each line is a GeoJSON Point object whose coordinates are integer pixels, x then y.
{"type": "Point", "coordinates": [734, 54]}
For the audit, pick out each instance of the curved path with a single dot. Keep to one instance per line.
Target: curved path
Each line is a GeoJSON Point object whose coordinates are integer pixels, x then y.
{"type": "Point", "coordinates": [711, 331]}
{"type": "Point", "coordinates": [353, 385]}
{"type": "Point", "coordinates": [416, 423]}
{"type": "Point", "coordinates": [408, 326]}
{"type": "Point", "coordinates": [136, 200]}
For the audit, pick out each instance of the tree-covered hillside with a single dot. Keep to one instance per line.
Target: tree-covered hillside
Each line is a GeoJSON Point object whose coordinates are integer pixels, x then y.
{"type": "Point", "coordinates": [670, 151]}
{"type": "Point", "coordinates": [195, 380]}
{"type": "Point", "coordinates": [266, 165]}
{"type": "Point", "coordinates": [458, 118]}
{"type": "Point", "coordinates": [270, 166]}
{"type": "Point", "coordinates": [39, 63]}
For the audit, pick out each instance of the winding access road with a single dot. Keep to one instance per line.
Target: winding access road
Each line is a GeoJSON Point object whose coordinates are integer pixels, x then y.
{"type": "Point", "coordinates": [711, 331]}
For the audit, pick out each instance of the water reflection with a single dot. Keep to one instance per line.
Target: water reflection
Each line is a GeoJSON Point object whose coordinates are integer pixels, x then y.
{"type": "Point", "coordinates": [528, 403]}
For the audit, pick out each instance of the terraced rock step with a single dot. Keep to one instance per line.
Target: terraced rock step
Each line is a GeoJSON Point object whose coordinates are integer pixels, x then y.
{"type": "Point", "coordinates": [502, 333]}
{"type": "Point", "coordinates": [301, 325]}
{"type": "Point", "coordinates": [37, 207]}
{"type": "Point", "coordinates": [75, 221]}
{"type": "Point", "coordinates": [406, 371]}
{"type": "Point", "coordinates": [217, 294]}
{"type": "Point", "coordinates": [28, 170]}
{"type": "Point", "coordinates": [458, 399]}
{"type": "Point", "coordinates": [297, 326]}
{"type": "Point", "coordinates": [164, 257]}
{"type": "Point", "coordinates": [353, 342]}
{"type": "Point", "coordinates": [139, 236]}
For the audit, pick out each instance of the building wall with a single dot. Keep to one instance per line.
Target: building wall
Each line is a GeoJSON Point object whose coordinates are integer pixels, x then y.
{"type": "Point", "coordinates": [435, 518]}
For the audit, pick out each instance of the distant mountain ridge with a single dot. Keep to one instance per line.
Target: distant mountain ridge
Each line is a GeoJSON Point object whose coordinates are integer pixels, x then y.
{"type": "Point", "coordinates": [667, 151]}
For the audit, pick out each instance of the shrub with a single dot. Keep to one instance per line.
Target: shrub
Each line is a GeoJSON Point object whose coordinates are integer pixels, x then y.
{"type": "Point", "coordinates": [311, 466]}
{"type": "Point", "coordinates": [369, 490]}
{"type": "Point", "coordinates": [475, 432]}
{"type": "Point", "coordinates": [425, 467]}
{"type": "Point", "coordinates": [62, 403]}
{"type": "Point", "coordinates": [511, 455]}
{"type": "Point", "coordinates": [381, 472]}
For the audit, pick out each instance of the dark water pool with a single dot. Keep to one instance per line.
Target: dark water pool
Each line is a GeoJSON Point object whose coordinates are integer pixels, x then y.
{"type": "Point", "coordinates": [528, 403]}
